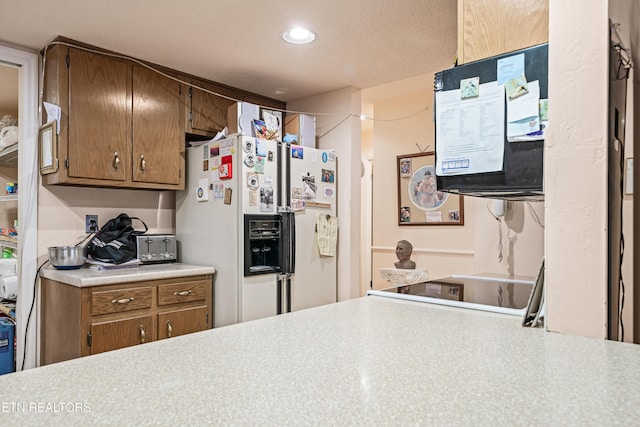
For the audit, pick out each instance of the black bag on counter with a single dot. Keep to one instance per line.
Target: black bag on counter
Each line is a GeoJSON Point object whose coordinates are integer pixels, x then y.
{"type": "Point", "coordinates": [116, 241]}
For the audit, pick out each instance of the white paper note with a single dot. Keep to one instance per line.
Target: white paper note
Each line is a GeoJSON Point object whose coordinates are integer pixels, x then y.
{"type": "Point", "coordinates": [327, 228]}
{"type": "Point", "coordinates": [53, 113]}
{"type": "Point", "coordinates": [470, 132]}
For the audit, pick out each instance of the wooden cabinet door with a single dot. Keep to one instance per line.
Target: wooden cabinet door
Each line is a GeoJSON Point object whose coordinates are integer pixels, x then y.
{"type": "Point", "coordinates": [115, 334]}
{"type": "Point", "coordinates": [158, 128]}
{"type": "Point", "coordinates": [208, 111]}
{"type": "Point", "coordinates": [180, 322]}
{"type": "Point", "coordinates": [99, 117]}
{"type": "Point", "coordinates": [491, 27]}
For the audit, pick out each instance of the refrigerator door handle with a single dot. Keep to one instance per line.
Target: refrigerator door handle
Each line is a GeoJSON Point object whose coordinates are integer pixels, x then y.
{"type": "Point", "coordinates": [288, 242]}
{"type": "Point", "coordinates": [279, 294]}
{"type": "Point", "coordinates": [292, 240]}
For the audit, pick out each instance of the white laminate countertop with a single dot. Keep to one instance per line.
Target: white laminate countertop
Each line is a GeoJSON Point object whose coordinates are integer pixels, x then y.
{"type": "Point", "coordinates": [85, 276]}
{"type": "Point", "coordinates": [371, 361]}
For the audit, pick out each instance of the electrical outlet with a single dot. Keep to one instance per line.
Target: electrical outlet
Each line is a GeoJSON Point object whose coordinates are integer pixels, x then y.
{"type": "Point", "coordinates": [91, 224]}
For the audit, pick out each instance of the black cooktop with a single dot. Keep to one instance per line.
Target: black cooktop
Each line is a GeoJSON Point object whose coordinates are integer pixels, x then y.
{"type": "Point", "coordinates": [504, 295]}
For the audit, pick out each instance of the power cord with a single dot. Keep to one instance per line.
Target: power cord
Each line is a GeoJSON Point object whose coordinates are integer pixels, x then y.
{"type": "Point", "coordinates": [33, 302]}
{"type": "Point", "coordinates": [620, 279]}
{"type": "Point", "coordinates": [497, 218]}
{"type": "Point", "coordinates": [534, 215]}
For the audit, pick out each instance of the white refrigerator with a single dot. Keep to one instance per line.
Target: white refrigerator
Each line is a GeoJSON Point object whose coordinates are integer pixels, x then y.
{"type": "Point", "coordinates": [263, 214]}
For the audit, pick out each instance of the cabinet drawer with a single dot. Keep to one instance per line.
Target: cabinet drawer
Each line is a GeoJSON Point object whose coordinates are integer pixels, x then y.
{"type": "Point", "coordinates": [117, 334]}
{"type": "Point", "coordinates": [117, 301]}
{"type": "Point", "coordinates": [173, 293]}
{"type": "Point", "coordinates": [181, 322]}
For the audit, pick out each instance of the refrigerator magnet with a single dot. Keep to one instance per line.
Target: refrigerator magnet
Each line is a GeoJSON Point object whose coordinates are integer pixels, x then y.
{"type": "Point", "coordinates": [259, 165]}
{"type": "Point", "coordinates": [253, 197]}
{"type": "Point", "coordinates": [328, 176]}
{"type": "Point", "coordinates": [249, 160]}
{"type": "Point", "coordinates": [297, 152]}
{"type": "Point", "coordinates": [224, 170]}
{"type": "Point", "coordinates": [218, 191]}
{"type": "Point", "coordinates": [329, 193]}
{"type": "Point", "coordinates": [266, 199]}
{"type": "Point", "coordinates": [252, 181]}
{"type": "Point", "coordinates": [261, 148]}
{"type": "Point", "coordinates": [248, 146]}
{"type": "Point", "coordinates": [202, 192]}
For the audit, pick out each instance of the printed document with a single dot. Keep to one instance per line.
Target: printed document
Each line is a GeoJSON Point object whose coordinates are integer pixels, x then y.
{"type": "Point", "coordinates": [470, 132]}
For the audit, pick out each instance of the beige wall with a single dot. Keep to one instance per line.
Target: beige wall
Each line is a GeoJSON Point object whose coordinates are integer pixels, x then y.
{"type": "Point", "coordinates": [576, 196]}
{"type": "Point", "coordinates": [63, 209]}
{"type": "Point", "coordinates": [438, 249]}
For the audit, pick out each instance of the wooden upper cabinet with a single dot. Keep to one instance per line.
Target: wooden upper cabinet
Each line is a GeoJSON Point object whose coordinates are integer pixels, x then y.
{"type": "Point", "coordinates": [158, 128]}
{"type": "Point", "coordinates": [122, 124]}
{"type": "Point", "coordinates": [491, 27]}
{"type": "Point", "coordinates": [99, 117]}
{"type": "Point", "coordinates": [208, 112]}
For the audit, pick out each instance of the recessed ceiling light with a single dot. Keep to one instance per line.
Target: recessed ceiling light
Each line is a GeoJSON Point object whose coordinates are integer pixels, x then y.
{"type": "Point", "coordinates": [299, 36]}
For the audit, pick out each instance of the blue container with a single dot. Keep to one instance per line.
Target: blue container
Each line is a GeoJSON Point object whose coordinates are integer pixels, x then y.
{"type": "Point", "coordinates": [7, 331]}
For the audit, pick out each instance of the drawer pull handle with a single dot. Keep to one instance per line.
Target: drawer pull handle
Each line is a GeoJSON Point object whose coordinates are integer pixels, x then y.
{"type": "Point", "coordinates": [143, 336]}
{"type": "Point", "coordinates": [116, 160]}
{"type": "Point", "coordinates": [183, 293]}
{"type": "Point", "coordinates": [169, 329]}
{"type": "Point", "coordinates": [122, 301]}
{"type": "Point", "coordinates": [143, 163]}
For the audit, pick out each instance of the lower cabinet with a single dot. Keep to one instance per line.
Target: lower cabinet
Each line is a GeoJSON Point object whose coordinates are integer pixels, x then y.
{"type": "Point", "coordinates": [180, 322]}
{"type": "Point", "coordinates": [107, 336]}
{"type": "Point", "coordinates": [79, 322]}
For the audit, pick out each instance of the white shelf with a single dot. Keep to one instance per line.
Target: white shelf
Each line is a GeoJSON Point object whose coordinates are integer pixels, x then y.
{"type": "Point", "coordinates": [9, 242]}
{"type": "Point", "coordinates": [8, 197]}
{"type": "Point", "coordinates": [9, 156]}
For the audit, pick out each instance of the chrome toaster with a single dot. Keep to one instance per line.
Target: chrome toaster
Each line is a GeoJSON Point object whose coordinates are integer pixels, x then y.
{"type": "Point", "coordinates": [156, 248]}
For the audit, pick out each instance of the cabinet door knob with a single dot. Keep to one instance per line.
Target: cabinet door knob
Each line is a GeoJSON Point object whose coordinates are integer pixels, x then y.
{"type": "Point", "coordinates": [143, 336]}
{"type": "Point", "coordinates": [122, 301]}
{"type": "Point", "coordinates": [143, 163]}
{"type": "Point", "coordinates": [116, 160]}
{"type": "Point", "coordinates": [169, 329]}
{"type": "Point", "coordinates": [183, 293]}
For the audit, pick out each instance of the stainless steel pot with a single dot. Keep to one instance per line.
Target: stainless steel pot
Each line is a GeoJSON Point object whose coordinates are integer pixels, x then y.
{"type": "Point", "coordinates": [67, 257]}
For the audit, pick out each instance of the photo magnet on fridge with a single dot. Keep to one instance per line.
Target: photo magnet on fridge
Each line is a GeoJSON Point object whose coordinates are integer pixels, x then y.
{"type": "Point", "coordinates": [224, 169]}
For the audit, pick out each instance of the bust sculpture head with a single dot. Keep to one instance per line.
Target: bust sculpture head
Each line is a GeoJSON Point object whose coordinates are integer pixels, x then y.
{"type": "Point", "coordinates": [403, 251]}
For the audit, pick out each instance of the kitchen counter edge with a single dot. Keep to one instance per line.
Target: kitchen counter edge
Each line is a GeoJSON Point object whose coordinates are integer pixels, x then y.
{"type": "Point", "coordinates": [85, 276]}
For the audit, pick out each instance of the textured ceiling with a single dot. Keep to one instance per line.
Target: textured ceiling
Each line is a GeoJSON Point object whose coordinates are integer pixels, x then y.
{"type": "Point", "coordinates": [360, 43]}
